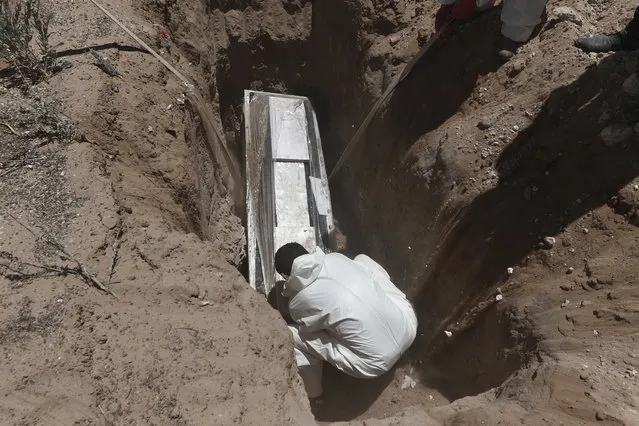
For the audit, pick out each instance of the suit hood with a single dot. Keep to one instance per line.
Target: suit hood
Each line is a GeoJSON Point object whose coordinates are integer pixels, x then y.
{"type": "Point", "coordinates": [304, 272]}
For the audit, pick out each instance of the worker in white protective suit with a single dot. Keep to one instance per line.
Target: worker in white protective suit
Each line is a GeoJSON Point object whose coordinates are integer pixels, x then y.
{"type": "Point", "coordinates": [519, 19]}
{"type": "Point", "coordinates": [347, 312]}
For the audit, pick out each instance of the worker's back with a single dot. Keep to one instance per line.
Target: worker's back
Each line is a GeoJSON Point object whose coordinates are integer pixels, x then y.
{"type": "Point", "coordinates": [357, 305]}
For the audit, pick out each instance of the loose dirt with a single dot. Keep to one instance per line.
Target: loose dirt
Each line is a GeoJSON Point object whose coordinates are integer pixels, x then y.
{"type": "Point", "coordinates": [464, 173]}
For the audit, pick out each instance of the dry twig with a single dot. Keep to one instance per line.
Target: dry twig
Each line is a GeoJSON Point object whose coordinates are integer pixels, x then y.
{"type": "Point", "coordinates": [116, 250]}
{"type": "Point", "coordinates": [105, 65]}
{"type": "Point", "coordinates": [146, 258]}
{"type": "Point", "coordinates": [79, 269]}
{"type": "Point", "coordinates": [8, 126]}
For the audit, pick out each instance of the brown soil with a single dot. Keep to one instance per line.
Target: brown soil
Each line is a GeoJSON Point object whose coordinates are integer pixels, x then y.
{"type": "Point", "coordinates": [470, 165]}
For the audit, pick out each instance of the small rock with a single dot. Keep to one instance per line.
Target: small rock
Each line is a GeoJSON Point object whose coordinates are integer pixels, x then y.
{"type": "Point", "coordinates": [499, 298]}
{"type": "Point", "coordinates": [635, 187]}
{"type": "Point", "coordinates": [172, 132]}
{"type": "Point", "coordinates": [103, 339]}
{"type": "Point", "coordinates": [516, 67]}
{"type": "Point", "coordinates": [585, 230]}
{"type": "Point", "coordinates": [565, 303]}
{"type": "Point", "coordinates": [394, 39]}
{"type": "Point", "coordinates": [564, 13]}
{"type": "Point", "coordinates": [549, 241]}
{"type": "Point", "coordinates": [515, 128]}
{"type": "Point", "coordinates": [570, 270]}
{"type": "Point", "coordinates": [510, 271]}
{"type": "Point", "coordinates": [565, 287]}
{"type": "Point", "coordinates": [394, 399]}
{"type": "Point", "coordinates": [175, 413]}
{"type": "Point", "coordinates": [571, 250]}
{"type": "Point", "coordinates": [595, 332]}
{"type": "Point", "coordinates": [599, 416]}
{"type": "Point", "coordinates": [408, 383]}
{"type": "Point", "coordinates": [616, 133]}
{"type": "Point", "coordinates": [448, 333]}
{"type": "Point", "coordinates": [485, 124]}
{"type": "Point", "coordinates": [235, 24]}
{"type": "Point", "coordinates": [150, 129]}
{"type": "Point", "coordinates": [59, 300]}
{"type": "Point", "coordinates": [631, 85]}
{"type": "Point", "coordinates": [498, 290]}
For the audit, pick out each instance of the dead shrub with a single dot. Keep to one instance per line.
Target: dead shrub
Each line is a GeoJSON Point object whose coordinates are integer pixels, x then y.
{"type": "Point", "coordinates": [24, 39]}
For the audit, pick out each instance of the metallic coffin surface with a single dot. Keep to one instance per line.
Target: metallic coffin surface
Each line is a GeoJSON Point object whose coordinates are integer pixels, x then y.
{"type": "Point", "coordinates": [287, 195]}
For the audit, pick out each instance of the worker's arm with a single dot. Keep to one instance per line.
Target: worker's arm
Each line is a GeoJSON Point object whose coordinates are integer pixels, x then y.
{"type": "Point", "coordinates": [310, 315]}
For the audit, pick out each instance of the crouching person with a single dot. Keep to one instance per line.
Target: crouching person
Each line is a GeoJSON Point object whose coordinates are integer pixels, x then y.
{"type": "Point", "coordinates": [347, 312]}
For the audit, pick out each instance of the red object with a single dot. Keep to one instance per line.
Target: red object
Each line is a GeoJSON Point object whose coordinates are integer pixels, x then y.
{"type": "Point", "coordinates": [463, 9]}
{"type": "Point", "coordinates": [444, 15]}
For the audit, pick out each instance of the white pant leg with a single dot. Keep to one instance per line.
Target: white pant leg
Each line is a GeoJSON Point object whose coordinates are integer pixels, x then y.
{"type": "Point", "coordinates": [305, 356]}
{"type": "Point", "coordinates": [313, 348]}
{"type": "Point", "coordinates": [309, 365]}
{"type": "Point", "coordinates": [520, 17]}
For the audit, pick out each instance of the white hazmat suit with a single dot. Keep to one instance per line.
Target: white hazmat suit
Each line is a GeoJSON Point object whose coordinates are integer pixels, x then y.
{"type": "Point", "coordinates": [519, 17]}
{"type": "Point", "coordinates": [349, 314]}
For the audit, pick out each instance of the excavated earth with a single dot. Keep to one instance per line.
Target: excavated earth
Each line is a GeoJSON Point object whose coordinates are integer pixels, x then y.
{"type": "Point", "coordinates": [478, 179]}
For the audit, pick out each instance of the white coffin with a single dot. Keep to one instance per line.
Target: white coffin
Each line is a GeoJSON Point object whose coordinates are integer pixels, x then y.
{"type": "Point", "coordinates": [287, 197]}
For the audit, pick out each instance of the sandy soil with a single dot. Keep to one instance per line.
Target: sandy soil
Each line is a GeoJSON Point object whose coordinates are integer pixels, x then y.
{"type": "Point", "coordinates": [466, 171]}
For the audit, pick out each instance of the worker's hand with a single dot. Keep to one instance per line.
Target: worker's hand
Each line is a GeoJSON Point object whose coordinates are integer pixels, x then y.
{"type": "Point", "coordinates": [463, 9]}
{"type": "Point", "coordinates": [443, 16]}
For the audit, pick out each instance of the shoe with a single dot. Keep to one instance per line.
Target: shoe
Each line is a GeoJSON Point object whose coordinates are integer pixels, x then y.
{"type": "Point", "coordinates": [601, 43]}
{"type": "Point", "coordinates": [623, 40]}
{"type": "Point", "coordinates": [627, 39]}
{"type": "Point", "coordinates": [508, 48]}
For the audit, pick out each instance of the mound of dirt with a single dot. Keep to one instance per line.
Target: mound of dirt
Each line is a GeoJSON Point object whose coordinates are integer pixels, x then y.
{"type": "Point", "coordinates": [490, 192]}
